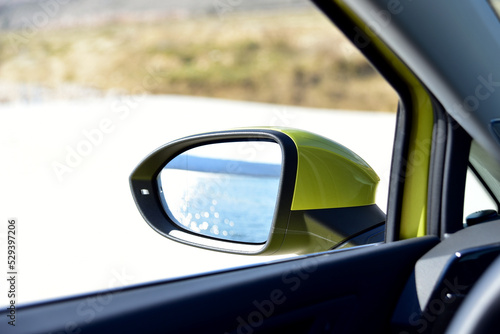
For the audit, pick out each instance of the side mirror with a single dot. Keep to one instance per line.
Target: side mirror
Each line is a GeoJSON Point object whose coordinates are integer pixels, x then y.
{"type": "Point", "coordinates": [259, 191]}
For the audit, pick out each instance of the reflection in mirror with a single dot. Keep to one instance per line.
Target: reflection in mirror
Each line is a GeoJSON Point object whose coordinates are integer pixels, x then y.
{"type": "Point", "coordinates": [225, 190]}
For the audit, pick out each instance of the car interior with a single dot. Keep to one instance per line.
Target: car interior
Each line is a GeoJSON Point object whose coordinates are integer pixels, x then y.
{"type": "Point", "coordinates": [434, 274]}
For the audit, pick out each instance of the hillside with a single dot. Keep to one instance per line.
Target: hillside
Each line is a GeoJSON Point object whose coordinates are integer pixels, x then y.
{"type": "Point", "coordinates": [49, 13]}
{"type": "Point", "coordinates": [289, 56]}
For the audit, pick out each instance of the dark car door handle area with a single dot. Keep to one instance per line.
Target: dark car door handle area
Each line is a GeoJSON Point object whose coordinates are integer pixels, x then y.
{"type": "Point", "coordinates": [323, 292]}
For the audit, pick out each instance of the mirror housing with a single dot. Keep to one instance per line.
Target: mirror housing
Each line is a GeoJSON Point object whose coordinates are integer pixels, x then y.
{"type": "Point", "coordinates": [325, 198]}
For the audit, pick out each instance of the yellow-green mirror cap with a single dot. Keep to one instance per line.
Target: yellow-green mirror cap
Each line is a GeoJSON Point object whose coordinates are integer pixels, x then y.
{"type": "Point", "coordinates": [329, 175]}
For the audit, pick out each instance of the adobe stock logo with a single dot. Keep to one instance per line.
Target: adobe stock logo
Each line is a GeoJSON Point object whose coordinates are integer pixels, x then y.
{"type": "Point", "coordinates": [225, 6]}
{"type": "Point", "coordinates": [484, 89]}
{"type": "Point", "coordinates": [264, 309]}
{"type": "Point", "coordinates": [121, 107]}
{"type": "Point", "coordinates": [48, 10]}
{"type": "Point", "coordinates": [85, 147]}
{"type": "Point", "coordinates": [88, 309]}
{"type": "Point", "coordinates": [437, 306]}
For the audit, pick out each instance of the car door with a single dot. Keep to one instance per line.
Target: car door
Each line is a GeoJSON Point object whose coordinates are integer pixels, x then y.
{"type": "Point", "coordinates": [354, 290]}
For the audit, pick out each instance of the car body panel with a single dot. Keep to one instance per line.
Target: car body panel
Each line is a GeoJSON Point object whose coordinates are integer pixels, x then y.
{"type": "Point", "coordinates": [414, 199]}
{"type": "Point", "coordinates": [329, 175]}
{"type": "Point", "coordinates": [331, 290]}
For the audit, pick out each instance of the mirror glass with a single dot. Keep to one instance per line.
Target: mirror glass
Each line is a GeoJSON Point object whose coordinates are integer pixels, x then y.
{"type": "Point", "coordinates": [224, 190]}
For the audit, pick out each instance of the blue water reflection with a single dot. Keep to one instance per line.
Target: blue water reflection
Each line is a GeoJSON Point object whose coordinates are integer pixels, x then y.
{"type": "Point", "coordinates": [226, 199]}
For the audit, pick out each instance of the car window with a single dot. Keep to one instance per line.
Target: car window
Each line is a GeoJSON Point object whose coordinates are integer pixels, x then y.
{"type": "Point", "coordinates": [482, 190]}
{"type": "Point", "coordinates": [477, 198]}
{"type": "Point", "coordinates": [487, 169]}
{"type": "Point", "coordinates": [90, 88]}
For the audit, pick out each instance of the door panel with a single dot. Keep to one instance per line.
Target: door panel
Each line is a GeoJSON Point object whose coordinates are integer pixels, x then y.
{"type": "Point", "coordinates": [353, 291]}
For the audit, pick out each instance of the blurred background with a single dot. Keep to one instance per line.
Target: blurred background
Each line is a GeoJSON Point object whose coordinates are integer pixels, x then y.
{"type": "Point", "coordinates": [279, 51]}
{"type": "Point", "coordinates": [88, 88]}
